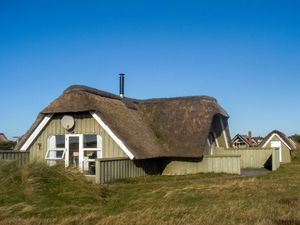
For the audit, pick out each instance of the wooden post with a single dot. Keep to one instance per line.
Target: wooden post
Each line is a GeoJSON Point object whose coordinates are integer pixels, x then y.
{"type": "Point", "coordinates": [98, 174]}
{"type": "Point", "coordinates": [275, 159]}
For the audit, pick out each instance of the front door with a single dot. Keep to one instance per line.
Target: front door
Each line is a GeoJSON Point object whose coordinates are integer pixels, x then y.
{"type": "Point", "coordinates": [73, 156]}
{"type": "Point", "coordinates": [277, 144]}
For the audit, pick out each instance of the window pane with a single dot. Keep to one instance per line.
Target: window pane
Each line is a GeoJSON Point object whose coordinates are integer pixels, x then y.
{"type": "Point", "coordinates": [52, 142]}
{"type": "Point", "coordinates": [60, 141]}
{"type": "Point", "coordinates": [90, 168]}
{"type": "Point", "coordinates": [51, 154]}
{"type": "Point", "coordinates": [55, 154]}
{"type": "Point", "coordinates": [57, 141]}
{"type": "Point", "coordinates": [74, 151]}
{"type": "Point", "coordinates": [90, 141]}
{"type": "Point", "coordinates": [59, 154]}
{"type": "Point", "coordinates": [90, 154]}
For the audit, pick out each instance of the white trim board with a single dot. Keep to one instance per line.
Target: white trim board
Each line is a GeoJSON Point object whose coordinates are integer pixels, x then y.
{"type": "Point", "coordinates": [112, 135]}
{"type": "Point", "coordinates": [216, 139]}
{"type": "Point", "coordinates": [36, 132]}
{"type": "Point", "coordinates": [224, 133]}
{"type": "Point", "coordinates": [270, 138]}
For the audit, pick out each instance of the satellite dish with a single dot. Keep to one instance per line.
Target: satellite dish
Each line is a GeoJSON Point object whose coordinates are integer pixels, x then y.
{"type": "Point", "coordinates": [68, 122]}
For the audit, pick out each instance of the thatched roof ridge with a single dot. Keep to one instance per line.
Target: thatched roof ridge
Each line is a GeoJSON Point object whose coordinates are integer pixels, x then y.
{"type": "Point", "coordinates": [166, 127]}
{"type": "Point", "coordinates": [74, 88]}
{"type": "Point", "coordinates": [201, 97]}
{"type": "Point", "coordinates": [83, 88]}
{"type": "Point", "coordinates": [282, 136]}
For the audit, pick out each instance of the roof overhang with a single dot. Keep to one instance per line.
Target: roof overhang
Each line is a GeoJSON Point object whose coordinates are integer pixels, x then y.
{"type": "Point", "coordinates": [36, 132]}
{"type": "Point", "coordinates": [112, 135]}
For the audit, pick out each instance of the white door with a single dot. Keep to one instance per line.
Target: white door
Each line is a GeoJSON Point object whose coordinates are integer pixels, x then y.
{"type": "Point", "coordinates": [277, 144]}
{"type": "Point", "coordinates": [74, 152]}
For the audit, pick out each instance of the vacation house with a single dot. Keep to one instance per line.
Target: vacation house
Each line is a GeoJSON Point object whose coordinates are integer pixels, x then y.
{"type": "Point", "coordinates": [243, 141]}
{"type": "Point", "coordinates": [160, 135]}
{"type": "Point", "coordinates": [277, 139]}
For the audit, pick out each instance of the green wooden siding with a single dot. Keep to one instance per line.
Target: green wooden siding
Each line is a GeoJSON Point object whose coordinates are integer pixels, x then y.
{"type": "Point", "coordinates": [252, 157]}
{"type": "Point", "coordinates": [20, 157]}
{"type": "Point", "coordinates": [275, 160]}
{"type": "Point", "coordinates": [108, 170]}
{"type": "Point", "coordinates": [113, 169]}
{"type": "Point", "coordinates": [285, 152]}
{"type": "Point", "coordinates": [209, 164]}
{"type": "Point", "coordinates": [84, 124]}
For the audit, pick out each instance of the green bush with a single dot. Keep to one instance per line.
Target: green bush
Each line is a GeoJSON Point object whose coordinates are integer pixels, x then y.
{"type": "Point", "coordinates": [7, 145]}
{"type": "Point", "coordinates": [296, 138]}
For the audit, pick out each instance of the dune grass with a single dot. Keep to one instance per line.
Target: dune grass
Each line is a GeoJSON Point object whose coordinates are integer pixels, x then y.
{"type": "Point", "coordinates": [38, 194]}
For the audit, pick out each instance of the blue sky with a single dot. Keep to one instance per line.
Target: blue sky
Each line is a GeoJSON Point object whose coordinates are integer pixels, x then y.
{"type": "Point", "coordinates": [244, 53]}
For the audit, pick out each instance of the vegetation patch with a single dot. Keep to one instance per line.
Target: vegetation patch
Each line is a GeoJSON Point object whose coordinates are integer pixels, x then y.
{"type": "Point", "coordinates": [38, 194]}
{"type": "Point", "coordinates": [7, 145]}
{"type": "Point", "coordinates": [38, 189]}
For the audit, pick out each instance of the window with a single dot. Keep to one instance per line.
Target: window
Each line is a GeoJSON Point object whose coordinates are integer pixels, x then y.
{"type": "Point", "coordinates": [90, 141]}
{"type": "Point", "coordinates": [55, 154]}
{"type": "Point", "coordinates": [92, 150]}
{"type": "Point", "coordinates": [60, 141]}
{"type": "Point", "coordinates": [56, 141]}
{"type": "Point", "coordinates": [56, 147]}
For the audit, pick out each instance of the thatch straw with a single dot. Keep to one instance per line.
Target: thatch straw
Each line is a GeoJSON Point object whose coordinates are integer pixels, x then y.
{"type": "Point", "coordinates": [169, 127]}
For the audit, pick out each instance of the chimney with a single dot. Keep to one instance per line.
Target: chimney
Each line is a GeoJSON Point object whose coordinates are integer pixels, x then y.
{"type": "Point", "coordinates": [122, 85]}
{"type": "Point", "coordinates": [250, 138]}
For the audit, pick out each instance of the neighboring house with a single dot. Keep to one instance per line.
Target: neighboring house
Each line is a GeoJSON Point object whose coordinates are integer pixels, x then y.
{"type": "Point", "coordinates": [243, 141]}
{"type": "Point", "coordinates": [85, 123]}
{"type": "Point", "coordinates": [3, 138]}
{"type": "Point", "coordinates": [277, 139]}
{"type": "Point", "coordinates": [258, 140]}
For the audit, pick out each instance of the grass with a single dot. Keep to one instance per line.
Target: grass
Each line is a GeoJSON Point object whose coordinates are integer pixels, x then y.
{"type": "Point", "coordinates": [38, 194]}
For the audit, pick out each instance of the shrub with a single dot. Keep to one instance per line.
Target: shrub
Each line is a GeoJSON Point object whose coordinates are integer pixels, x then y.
{"type": "Point", "coordinates": [7, 145]}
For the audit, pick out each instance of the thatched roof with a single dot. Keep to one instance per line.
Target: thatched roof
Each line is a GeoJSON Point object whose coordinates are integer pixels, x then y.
{"type": "Point", "coordinates": [287, 140]}
{"type": "Point", "coordinates": [3, 138]}
{"type": "Point", "coordinates": [166, 127]}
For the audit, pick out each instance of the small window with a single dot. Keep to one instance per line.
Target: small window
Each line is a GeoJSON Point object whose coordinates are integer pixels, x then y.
{"type": "Point", "coordinates": [55, 154]}
{"type": "Point", "coordinates": [90, 154]}
{"type": "Point", "coordinates": [90, 168]}
{"type": "Point", "coordinates": [56, 141]}
{"type": "Point", "coordinates": [92, 150]}
{"type": "Point", "coordinates": [60, 141]}
{"type": "Point", "coordinates": [90, 141]}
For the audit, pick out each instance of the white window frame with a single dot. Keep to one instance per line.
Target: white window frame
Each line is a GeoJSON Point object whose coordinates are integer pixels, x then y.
{"type": "Point", "coordinates": [54, 149]}
{"type": "Point", "coordinates": [98, 149]}
{"type": "Point", "coordinates": [82, 160]}
{"type": "Point", "coordinates": [80, 152]}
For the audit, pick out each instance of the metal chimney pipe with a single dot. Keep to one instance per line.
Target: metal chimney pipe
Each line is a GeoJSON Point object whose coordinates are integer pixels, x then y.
{"type": "Point", "coordinates": [122, 77]}
{"type": "Point", "coordinates": [250, 138]}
